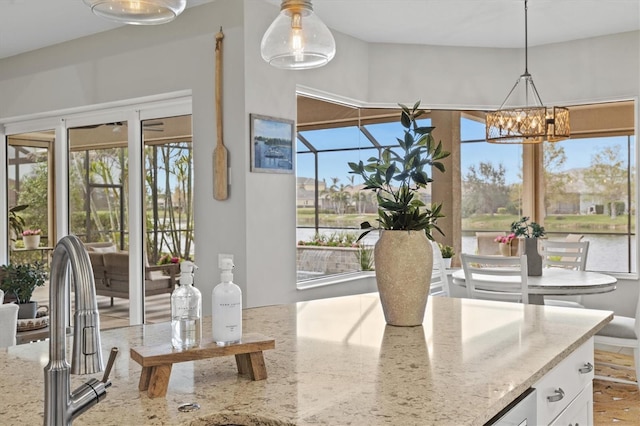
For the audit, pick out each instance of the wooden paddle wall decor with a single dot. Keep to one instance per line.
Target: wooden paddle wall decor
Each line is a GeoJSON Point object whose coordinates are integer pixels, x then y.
{"type": "Point", "coordinates": [220, 185]}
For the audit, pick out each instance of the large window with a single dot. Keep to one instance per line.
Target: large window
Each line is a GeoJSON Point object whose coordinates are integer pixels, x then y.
{"type": "Point", "coordinates": [584, 185]}
{"type": "Point", "coordinates": [589, 187]}
{"type": "Point", "coordinates": [331, 202]}
{"type": "Point", "coordinates": [491, 178]}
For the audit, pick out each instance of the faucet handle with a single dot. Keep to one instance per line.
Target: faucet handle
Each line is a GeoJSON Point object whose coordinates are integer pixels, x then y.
{"type": "Point", "coordinates": [110, 362]}
{"type": "Point", "coordinates": [93, 391]}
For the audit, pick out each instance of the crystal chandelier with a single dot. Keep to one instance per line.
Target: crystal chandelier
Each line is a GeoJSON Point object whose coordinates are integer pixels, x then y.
{"type": "Point", "coordinates": [138, 12]}
{"type": "Point", "coordinates": [531, 123]}
{"type": "Point", "coordinates": [297, 39]}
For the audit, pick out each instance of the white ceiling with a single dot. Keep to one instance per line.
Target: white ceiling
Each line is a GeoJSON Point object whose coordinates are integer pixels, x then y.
{"type": "Point", "coordinates": [27, 25]}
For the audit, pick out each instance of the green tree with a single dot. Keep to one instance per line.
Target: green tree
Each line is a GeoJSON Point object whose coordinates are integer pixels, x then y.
{"type": "Point", "coordinates": [555, 182]}
{"type": "Point", "coordinates": [337, 196]}
{"type": "Point", "coordinates": [169, 192]}
{"type": "Point", "coordinates": [607, 176]}
{"type": "Point", "coordinates": [355, 196]}
{"type": "Point", "coordinates": [97, 177]}
{"type": "Point", "coordinates": [485, 189]}
{"type": "Point", "coordinates": [108, 167]}
{"type": "Point", "coordinates": [36, 195]}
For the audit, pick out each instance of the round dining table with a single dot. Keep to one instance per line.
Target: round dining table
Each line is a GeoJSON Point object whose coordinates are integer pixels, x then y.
{"type": "Point", "coordinates": [559, 282]}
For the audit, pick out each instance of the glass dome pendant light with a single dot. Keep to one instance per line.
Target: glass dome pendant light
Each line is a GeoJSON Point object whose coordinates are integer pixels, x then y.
{"type": "Point", "coordinates": [297, 39]}
{"type": "Point", "coordinates": [138, 12]}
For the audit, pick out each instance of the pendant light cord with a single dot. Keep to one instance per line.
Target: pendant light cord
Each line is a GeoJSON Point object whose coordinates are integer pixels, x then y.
{"type": "Point", "coordinates": [526, 41]}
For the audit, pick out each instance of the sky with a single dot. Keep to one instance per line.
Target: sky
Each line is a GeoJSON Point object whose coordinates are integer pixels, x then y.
{"type": "Point", "coordinates": [272, 128]}
{"type": "Point", "coordinates": [578, 151]}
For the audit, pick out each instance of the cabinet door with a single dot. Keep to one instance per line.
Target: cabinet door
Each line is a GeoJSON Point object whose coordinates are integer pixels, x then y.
{"type": "Point", "coordinates": [564, 382]}
{"type": "Point", "coordinates": [579, 412]}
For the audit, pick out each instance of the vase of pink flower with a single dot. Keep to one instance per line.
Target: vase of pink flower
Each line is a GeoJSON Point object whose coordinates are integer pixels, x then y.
{"type": "Point", "coordinates": [506, 246]}
{"type": "Point", "coordinates": [31, 238]}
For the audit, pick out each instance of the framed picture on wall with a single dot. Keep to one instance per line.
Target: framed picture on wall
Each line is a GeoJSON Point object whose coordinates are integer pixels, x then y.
{"type": "Point", "coordinates": [271, 144]}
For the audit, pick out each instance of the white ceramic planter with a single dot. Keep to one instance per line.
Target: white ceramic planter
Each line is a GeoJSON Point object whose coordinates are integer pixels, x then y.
{"type": "Point", "coordinates": [31, 241]}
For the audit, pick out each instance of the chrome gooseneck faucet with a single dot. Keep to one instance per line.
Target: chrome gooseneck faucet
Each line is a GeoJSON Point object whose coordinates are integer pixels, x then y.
{"type": "Point", "coordinates": [61, 405]}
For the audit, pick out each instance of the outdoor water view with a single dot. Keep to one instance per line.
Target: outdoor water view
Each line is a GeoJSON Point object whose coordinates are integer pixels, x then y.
{"type": "Point", "coordinates": [589, 187]}
{"type": "Point", "coordinates": [607, 253]}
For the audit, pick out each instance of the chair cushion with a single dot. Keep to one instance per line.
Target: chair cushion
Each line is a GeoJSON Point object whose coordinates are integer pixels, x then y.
{"type": "Point", "coordinates": [116, 262]}
{"type": "Point", "coordinates": [619, 327]}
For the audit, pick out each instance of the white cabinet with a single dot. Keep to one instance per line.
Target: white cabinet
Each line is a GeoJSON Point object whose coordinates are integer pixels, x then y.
{"type": "Point", "coordinates": [579, 412]}
{"type": "Point", "coordinates": [564, 394]}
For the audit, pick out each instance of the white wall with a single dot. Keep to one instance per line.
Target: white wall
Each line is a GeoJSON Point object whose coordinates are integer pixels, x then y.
{"type": "Point", "coordinates": [590, 70]}
{"type": "Point", "coordinates": [257, 222]}
{"type": "Point", "coordinates": [271, 198]}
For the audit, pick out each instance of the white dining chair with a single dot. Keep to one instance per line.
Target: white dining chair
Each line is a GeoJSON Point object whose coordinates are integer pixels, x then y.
{"type": "Point", "coordinates": [496, 277]}
{"type": "Point", "coordinates": [565, 254]}
{"type": "Point", "coordinates": [439, 277]}
{"type": "Point", "coordinates": [622, 332]}
{"type": "Point", "coordinates": [8, 322]}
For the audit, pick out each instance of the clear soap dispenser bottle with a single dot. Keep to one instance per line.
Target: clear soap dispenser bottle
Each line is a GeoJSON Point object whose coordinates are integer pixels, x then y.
{"type": "Point", "coordinates": [227, 307]}
{"type": "Point", "coordinates": [186, 310]}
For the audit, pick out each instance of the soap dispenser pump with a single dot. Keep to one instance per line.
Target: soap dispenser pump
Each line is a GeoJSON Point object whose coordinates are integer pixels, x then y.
{"type": "Point", "coordinates": [186, 310]}
{"type": "Point", "coordinates": [227, 307]}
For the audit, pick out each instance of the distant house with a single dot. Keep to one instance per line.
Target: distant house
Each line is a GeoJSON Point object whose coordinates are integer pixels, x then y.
{"type": "Point", "coordinates": [305, 194]}
{"type": "Point", "coordinates": [577, 198]}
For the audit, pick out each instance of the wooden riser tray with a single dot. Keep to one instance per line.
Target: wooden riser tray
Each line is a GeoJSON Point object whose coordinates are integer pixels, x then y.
{"type": "Point", "coordinates": [157, 360]}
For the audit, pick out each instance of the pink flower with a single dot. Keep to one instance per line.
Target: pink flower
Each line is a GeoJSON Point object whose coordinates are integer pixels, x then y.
{"type": "Point", "coordinates": [29, 232]}
{"type": "Point", "coordinates": [505, 239]}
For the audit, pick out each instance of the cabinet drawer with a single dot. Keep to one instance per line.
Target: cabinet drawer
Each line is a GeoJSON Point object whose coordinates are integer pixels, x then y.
{"type": "Point", "coordinates": [564, 382]}
{"type": "Point", "coordinates": [579, 412]}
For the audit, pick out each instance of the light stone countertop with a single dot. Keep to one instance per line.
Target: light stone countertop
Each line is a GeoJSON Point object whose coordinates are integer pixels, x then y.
{"type": "Point", "coordinates": [335, 363]}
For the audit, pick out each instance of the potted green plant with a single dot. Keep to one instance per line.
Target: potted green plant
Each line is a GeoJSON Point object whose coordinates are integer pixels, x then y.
{"type": "Point", "coordinates": [447, 253]}
{"type": "Point", "coordinates": [16, 223]}
{"type": "Point", "coordinates": [365, 257]}
{"type": "Point", "coordinates": [522, 229]}
{"type": "Point", "coordinates": [403, 255]}
{"type": "Point", "coordinates": [18, 281]}
{"type": "Point", "coordinates": [528, 233]}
